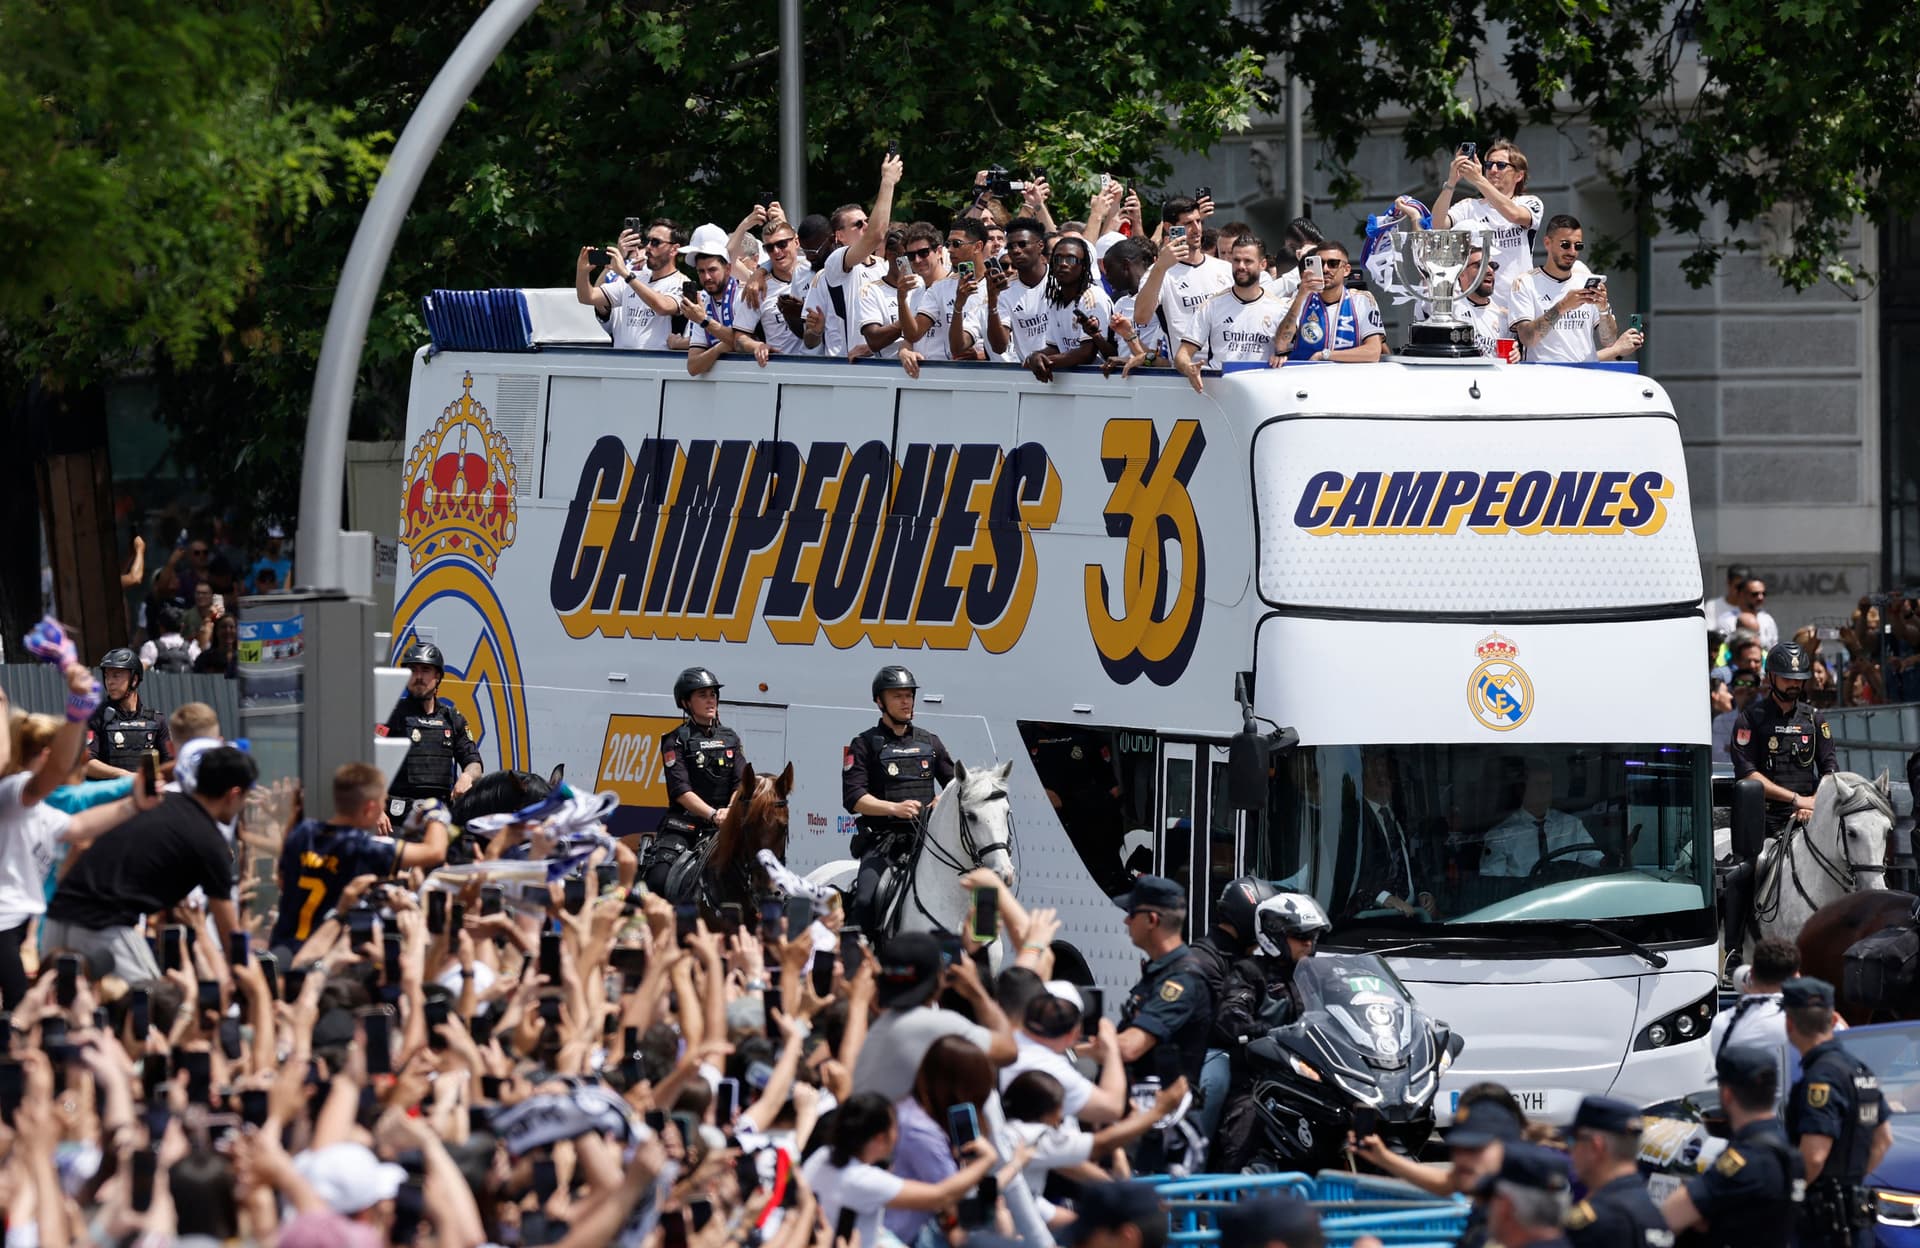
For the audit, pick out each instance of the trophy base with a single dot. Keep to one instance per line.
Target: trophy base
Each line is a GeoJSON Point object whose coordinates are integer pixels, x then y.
{"type": "Point", "coordinates": [1442, 342]}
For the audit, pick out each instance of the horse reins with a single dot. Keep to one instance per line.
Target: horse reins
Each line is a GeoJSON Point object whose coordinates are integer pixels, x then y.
{"type": "Point", "coordinates": [923, 843]}
{"type": "Point", "coordinates": [1845, 872]}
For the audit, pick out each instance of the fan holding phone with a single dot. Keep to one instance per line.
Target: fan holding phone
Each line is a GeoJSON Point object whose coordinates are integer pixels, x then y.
{"type": "Point", "coordinates": [854, 1190]}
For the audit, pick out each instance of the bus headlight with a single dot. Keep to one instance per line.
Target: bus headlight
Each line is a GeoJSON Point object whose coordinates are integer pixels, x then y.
{"type": "Point", "coordinates": [1691, 1022]}
{"type": "Point", "coordinates": [1896, 1208]}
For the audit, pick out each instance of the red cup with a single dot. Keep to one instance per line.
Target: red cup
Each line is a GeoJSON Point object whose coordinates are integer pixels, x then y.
{"type": "Point", "coordinates": [1509, 350]}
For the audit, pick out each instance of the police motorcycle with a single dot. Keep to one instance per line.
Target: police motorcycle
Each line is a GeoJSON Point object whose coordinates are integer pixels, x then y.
{"type": "Point", "coordinates": [1359, 1056]}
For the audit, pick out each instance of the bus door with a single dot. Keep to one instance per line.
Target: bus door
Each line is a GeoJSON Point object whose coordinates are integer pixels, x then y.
{"type": "Point", "coordinates": [1199, 830]}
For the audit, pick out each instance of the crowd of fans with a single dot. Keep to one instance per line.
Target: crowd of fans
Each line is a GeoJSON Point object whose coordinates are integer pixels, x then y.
{"type": "Point", "coordinates": [184, 617]}
{"type": "Point", "coordinates": [1002, 280]}
{"type": "Point", "coordinates": [487, 1032]}
{"type": "Point", "coordinates": [1872, 658]}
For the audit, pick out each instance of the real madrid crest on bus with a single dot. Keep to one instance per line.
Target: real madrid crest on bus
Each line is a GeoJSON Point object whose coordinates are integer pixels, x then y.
{"type": "Point", "coordinates": [1499, 692]}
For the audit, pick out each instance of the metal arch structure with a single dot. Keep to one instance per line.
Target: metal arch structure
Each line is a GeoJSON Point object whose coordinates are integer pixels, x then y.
{"type": "Point", "coordinates": [323, 475]}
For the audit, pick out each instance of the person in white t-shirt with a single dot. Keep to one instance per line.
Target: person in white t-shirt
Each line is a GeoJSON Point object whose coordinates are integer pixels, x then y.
{"type": "Point", "coordinates": [1189, 277]}
{"type": "Point", "coordinates": [720, 320]}
{"type": "Point", "coordinates": [1142, 342]}
{"type": "Point", "coordinates": [640, 304]}
{"type": "Point", "coordinates": [43, 751]}
{"type": "Point", "coordinates": [1237, 326]}
{"type": "Point", "coordinates": [1483, 306]}
{"type": "Point", "coordinates": [853, 263]}
{"type": "Point", "coordinates": [884, 303]}
{"type": "Point", "coordinates": [1079, 314]}
{"type": "Point", "coordinates": [848, 1173]}
{"type": "Point", "coordinates": [1050, 1029]}
{"type": "Point", "coordinates": [1561, 318]}
{"type": "Point", "coordinates": [1035, 1105]}
{"type": "Point", "coordinates": [934, 331]}
{"type": "Point", "coordinates": [1017, 291]}
{"type": "Point", "coordinates": [1510, 216]}
{"type": "Point", "coordinates": [783, 301]}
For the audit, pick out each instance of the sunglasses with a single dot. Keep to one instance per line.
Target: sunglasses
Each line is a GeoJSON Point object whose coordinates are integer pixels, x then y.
{"type": "Point", "coordinates": [1066, 259]}
{"type": "Point", "coordinates": [861, 224]}
{"type": "Point", "coordinates": [1567, 244]}
{"type": "Point", "coordinates": [660, 242]}
{"type": "Point", "coordinates": [1332, 264]}
{"type": "Point", "coordinates": [200, 552]}
{"type": "Point", "coordinates": [780, 244]}
{"type": "Point", "coordinates": [959, 242]}
{"type": "Point", "coordinates": [1499, 164]}
{"type": "Point", "coordinates": [920, 253]}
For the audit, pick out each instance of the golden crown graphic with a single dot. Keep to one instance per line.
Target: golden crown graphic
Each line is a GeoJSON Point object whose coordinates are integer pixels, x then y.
{"type": "Point", "coordinates": [459, 488]}
{"type": "Point", "coordinates": [1495, 647]}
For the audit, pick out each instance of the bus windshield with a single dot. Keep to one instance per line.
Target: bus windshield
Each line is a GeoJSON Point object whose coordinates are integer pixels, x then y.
{"type": "Point", "coordinates": [1405, 836]}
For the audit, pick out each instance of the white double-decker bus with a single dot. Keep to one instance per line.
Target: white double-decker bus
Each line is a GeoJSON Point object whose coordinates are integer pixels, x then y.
{"type": "Point", "coordinates": [1471, 590]}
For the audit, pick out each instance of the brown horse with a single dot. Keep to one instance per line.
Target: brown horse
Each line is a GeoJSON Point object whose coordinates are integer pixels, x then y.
{"type": "Point", "coordinates": [1833, 929]}
{"type": "Point", "coordinates": [756, 820]}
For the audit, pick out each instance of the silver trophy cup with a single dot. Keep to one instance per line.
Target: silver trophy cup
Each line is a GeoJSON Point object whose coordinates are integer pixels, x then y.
{"type": "Point", "coordinates": [1430, 264]}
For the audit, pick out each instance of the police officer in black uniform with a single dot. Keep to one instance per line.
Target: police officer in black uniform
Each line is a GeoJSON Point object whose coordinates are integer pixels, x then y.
{"type": "Point", "coordinates": [887, 778]}
{"type": "Point", "coordinates": [444, 762]}
{"type": "Point", "coordinates": [702, 758]}
{"type": "Point", "coordinates": [123, 728]}
{"type": "Point", "coordinates": [1749, 1196]}
{"type": "Point", "coordinates": [1617, 1212]}
{"type": "Point", "coordinates": [1784, 743]}
{"type": "Point", "coordinates": [1526, 1199]}
{"type": "Point", "coordinates": [1225, 945]}
{"type": "Point", "coordinates": [1169, 1014]}
{"type": "Point", "coordinates": [1837, 1117]}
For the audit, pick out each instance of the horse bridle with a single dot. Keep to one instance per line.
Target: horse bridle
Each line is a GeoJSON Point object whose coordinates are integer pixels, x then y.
{"type": "Point", "coordinates": [923, 843]}
{"type": "Point", "coordinates": [1845, 872]}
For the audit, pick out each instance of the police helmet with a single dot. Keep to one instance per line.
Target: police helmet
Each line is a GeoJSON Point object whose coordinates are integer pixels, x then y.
{"type": "Point", "coordinates": [1238, 903]}
{"type": "Point", "coordinates": [124, 660]}
{"type": "Point", "coordinates": [1789, 661]}
{"type": "Point", "coordinates": [892, 676]}
{"type": "Point", "coordinates": [1287, 914]}
{"type": "Point", "coordinates": [425, 654]}
{"type": "Point", "coordinates": [692, 681]}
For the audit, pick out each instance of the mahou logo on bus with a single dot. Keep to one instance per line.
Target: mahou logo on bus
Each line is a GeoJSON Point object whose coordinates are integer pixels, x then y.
{"type": "Point", "coordinates": [693, 540]}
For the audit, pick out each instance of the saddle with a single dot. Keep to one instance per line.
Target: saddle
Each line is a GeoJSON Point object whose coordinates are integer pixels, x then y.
{"type": "Point", "coordinates": [689, 867]}
{"type": "Point", "coordinates": [1882, 971]}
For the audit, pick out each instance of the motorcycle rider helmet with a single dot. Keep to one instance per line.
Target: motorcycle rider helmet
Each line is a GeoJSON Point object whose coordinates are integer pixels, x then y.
{"type": "Point", "coordinates": [691, 682]}
{"type": "Point", "coordinates": [424, 654]}
{"type": "Point", "coordinates": [892, 676]}
{"type": "Point", "coordinates": [1288, 914]}
{"type": "Point", "coordinates": [1789, 661]}
{"type": "Point", "coordinates": [1239, 901]}
{"type": "Point", "coordinates": [123, 660]}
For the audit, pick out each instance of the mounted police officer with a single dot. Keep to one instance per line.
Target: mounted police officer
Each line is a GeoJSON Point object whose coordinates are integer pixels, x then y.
{"type": "Point", "coordinates": [1837, 1117]}
{"type": "Point", "coordinates": [1786, 745]}
{"type": "Point", "coordinates": [443, 762]}
{"type": "Point", "coordinates": [887, 779]}
{"type": "Point", "coordinates": [1617, 1212]}
{"type": "Point", "coordinates": [702, 758]}
{"type": "Point", "coordinates": [123, 728]}
{"type": "Point", "coordinates": [1749, 1196]}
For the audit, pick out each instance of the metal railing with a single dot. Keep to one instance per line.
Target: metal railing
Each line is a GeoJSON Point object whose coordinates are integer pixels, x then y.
{"type": "Point", "coordinates": [39, 687]}
{"type": "Point", "coordinates": [1872, 739]}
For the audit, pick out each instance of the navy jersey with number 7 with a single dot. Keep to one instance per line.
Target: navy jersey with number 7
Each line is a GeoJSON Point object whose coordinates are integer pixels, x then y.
{"type": "Point", "coordinates": [317, 863]}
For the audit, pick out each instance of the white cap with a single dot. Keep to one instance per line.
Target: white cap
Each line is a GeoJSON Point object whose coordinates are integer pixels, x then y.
{"type": "Point", "coordinates": [348, 1177]}
{"type": "Point", "coordinates": [1104, 243]}
{"type": "Point", "coordinates": [187, 766]}
{"type": "Point", "coordinates": [1066, 992]}
{"type": "Point", "coordinates": [708, 240]}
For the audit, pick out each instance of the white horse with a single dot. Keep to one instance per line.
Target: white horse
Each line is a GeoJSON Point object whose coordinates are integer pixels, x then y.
{"type": "Point", "coordinates": [1840, 849]}
{"type": "Point", "coordinates": [971, 826]}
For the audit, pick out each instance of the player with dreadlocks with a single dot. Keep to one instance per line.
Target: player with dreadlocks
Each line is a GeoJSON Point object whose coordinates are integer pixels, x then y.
{"type": "Point", "coordinates": [1079, 314]}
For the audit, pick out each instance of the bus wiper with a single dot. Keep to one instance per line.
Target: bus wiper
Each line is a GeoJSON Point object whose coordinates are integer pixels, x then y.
{"type": "Point", "coordinates": [1427, 942]}
{"type": "Point", "coordinates": [1652, 957]}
